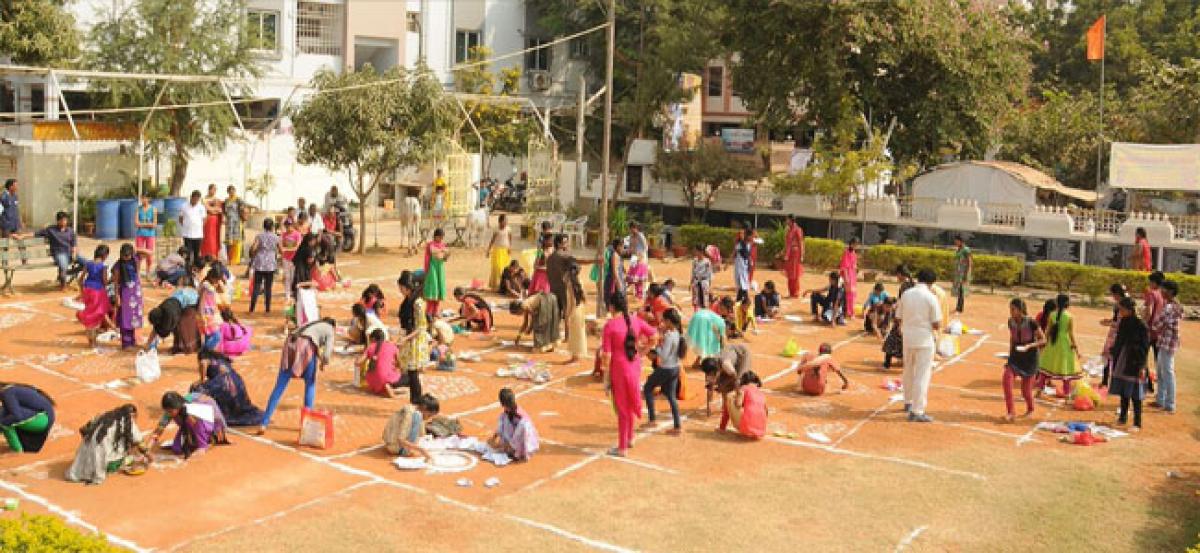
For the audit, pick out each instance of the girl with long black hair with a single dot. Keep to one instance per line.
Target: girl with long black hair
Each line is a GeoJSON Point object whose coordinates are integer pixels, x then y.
{"type": "Point", "coordinates": [625, 340]}
{"type": "Point", "coordinates": [1059, 360]}
{"type": "Point", "coordinates": [668, 357]}
{"type": "Point", "coordinates": [110, 441]}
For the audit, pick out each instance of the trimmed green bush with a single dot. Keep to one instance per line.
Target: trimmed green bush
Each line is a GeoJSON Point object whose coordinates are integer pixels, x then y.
{"type": "Point", "coordinates": [691, 235]}
{"type": "Point", "coordinates": [994, 270]}
{"type": "Point", "coordinates": [41, 533]}
{"type": "Point", "coordinates": [823, 253]}
{"type": "Point", "coordinates": [1095, 281]}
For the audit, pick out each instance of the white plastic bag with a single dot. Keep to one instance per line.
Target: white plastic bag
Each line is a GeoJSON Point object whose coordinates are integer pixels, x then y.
{"type": "Point", "coordinates": [147, 367]}
{"type": "Point", "coordinates": [948, 346]}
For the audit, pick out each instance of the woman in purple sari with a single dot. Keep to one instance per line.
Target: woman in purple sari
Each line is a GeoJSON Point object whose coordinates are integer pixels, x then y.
{"type": "Point", "coordinates": [128, 287]}
{"type": "Point", "coordinates": [199, 419]}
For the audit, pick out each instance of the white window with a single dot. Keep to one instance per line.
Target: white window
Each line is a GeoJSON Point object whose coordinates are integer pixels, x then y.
{"type": "Point", "coordinates": [537, 60]}
{"type": "Point", "coordinates": [464, 41]}
{"type": "Point", "coordinates": [262, 26]}
{"type": "Point", "coordinates": [319, 28]}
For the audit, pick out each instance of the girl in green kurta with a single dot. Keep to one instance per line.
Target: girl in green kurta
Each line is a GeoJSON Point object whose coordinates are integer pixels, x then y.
{"type": "Point", "coordinates": [1060, 358]}
{"type": "Point", "coordinates": [436, 254]}
{"type": "Point", "coordinates": [963, 263]}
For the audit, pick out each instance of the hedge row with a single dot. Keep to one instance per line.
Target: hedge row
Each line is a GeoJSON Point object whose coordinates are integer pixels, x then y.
{"type": "Point", "coordinates": [993, 270]}
{"type": "Point", "coordinates": [818, 252]}
{"type": "Point", "coordinates": [1095, 281]}
{"type": "Point", "coordinates": [35, 533]}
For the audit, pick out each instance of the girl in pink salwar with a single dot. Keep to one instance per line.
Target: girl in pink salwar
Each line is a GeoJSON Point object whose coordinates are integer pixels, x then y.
{"type": "Point", "coordinates": [624, 342]}
{"type": "Point", "coordinates": [849, 271]}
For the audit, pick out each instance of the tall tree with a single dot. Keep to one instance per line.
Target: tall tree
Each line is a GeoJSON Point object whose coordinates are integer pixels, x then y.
{"type": "Point", "coordinates": [1166, 103]}
{"type": "Point", "coordinates": [37, 32]}
{"type": "Point", "coordinates": [702, 172]}
{"type": "Point", "coordinates": [946, 71]}
{"type": "Point", "coordinates": [1139, 33]}
{"type": "Point", "coordinates": [384, 122]}
{"type": "Point", "coordinates": [505, 130]}
{"type": "Point", "coordinates": [656, 40]}
{"type": "Point", "coordinates": [190, 37]}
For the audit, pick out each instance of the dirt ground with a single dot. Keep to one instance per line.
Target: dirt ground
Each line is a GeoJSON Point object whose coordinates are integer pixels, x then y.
{"type": "Point", "coordinates": [967, 482]}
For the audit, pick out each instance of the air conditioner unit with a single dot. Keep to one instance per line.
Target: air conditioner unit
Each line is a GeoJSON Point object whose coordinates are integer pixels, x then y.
{"type": "Point", "coordinates": [540, 80]}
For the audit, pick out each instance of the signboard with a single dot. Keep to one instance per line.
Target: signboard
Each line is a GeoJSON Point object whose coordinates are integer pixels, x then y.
{"type": "Point", "coordinates": [738, 141]}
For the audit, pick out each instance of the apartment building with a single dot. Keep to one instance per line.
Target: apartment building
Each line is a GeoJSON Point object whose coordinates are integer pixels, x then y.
{"type": "Point", "coordinates": [294, 39]}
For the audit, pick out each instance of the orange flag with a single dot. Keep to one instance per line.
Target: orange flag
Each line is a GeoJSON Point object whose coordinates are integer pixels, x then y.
{"type": "Point", "coordinates": [1095, 40]}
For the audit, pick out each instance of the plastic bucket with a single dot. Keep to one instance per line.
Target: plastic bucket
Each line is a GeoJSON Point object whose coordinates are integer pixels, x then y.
{"type": "Point", "coordinates": [127, 211]}
{"type": "Point", "coordinates": [107, 214]}
{"type": "Point", "coordinates": [159, 205]}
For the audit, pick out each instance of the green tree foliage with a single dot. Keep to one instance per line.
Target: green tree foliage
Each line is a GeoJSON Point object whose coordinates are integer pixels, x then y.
{"type": "Point", "coordinates": [1058, 134]}
{"type": "Point", "coordinates": [946, 71]}
{"type": "Point", "coordinates": [505, 130]}
{"type": "Point", "coordinates": [385, 122]}
{"type": "Point", "coordinates": [190, 37]}
{"type": "Point", "coordinates": [37, 32]}
{"type": "Point", "coordinates": [844, 161]}
{"type": "Point", "coordinates": [1166, 104]}
{"type": "Point", "coordinates": [702, 172]}
{"type": "Point", "coordinates": [1140, 33]}
{"type": "Point", "coordinates": [655, 41]}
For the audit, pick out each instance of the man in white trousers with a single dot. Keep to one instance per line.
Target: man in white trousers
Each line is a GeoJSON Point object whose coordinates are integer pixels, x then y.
{"type": "Point", "coordinates": [920, 316]}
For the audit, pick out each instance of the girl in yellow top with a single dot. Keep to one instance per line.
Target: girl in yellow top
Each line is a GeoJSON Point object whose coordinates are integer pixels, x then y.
{"type": "Point", "coordinates": [498, 251]}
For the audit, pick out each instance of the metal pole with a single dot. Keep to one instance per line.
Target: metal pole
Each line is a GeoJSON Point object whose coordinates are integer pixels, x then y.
{"type": "Point", "coordinates": [245, 142]}
{"type": "Point", "coordinates": [580, 128]}
{"type": "Point", "coordinates": [1100, 144]}
{"type": "Point", "coordinates": [142, 136]}
{"type": "Point", "coordinates": [75, 161]}
{"type": "Point", "coordinates": [606, 153]}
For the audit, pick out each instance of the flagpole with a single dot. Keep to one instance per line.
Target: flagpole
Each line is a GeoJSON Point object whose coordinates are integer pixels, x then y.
{"type": "Point", "coordinates": [1100, 142]}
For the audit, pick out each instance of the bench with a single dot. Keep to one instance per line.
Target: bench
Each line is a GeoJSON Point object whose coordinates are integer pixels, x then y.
{"type": "Point", "coordinates": [22, 254]}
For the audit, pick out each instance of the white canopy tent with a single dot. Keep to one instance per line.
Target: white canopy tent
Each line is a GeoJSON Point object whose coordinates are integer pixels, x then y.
{"type": "Point", "coordinates": [992, 182]}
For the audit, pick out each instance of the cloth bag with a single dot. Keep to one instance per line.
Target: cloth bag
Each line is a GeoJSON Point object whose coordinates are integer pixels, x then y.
{"type": "Point", "coordinates": [316, 428]}
{"type": "Point", "coordinates": [147, 366]}
{"type": "Point", "coordinates": [791, 348]}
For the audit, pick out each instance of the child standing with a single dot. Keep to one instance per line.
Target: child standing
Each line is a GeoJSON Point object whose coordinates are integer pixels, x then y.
{"type": "Point", "coordinates": [1025, 340]}
{"type": "Point", "coordinates": [667, 357]}
{"type": "Point", "coordinates": [128, 286]}
{"type": "Point", "coordinates": [95, 298]}
{"type": "Point", "coordinates": [289, 242]}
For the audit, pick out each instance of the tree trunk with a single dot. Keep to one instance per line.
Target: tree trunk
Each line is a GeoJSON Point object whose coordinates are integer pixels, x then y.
{"type": "Point", "coordinates": [179, 167]}
{"type": "Point", "coordinates": [689, 190]}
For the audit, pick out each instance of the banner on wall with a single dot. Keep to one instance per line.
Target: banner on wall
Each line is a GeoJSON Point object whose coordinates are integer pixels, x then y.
{"type": "Point", "coordinates": [738, 141]}
{"type": "Point", "coordinates": [1155, 166]}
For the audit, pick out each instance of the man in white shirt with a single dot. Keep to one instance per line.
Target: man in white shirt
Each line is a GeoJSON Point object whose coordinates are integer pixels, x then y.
{"type": "Point", "coordinates": [920, 316]}
{"type": "Point", "coordinates": [316, 224]}
{"type": "Point", "coordinates": [191, 226]}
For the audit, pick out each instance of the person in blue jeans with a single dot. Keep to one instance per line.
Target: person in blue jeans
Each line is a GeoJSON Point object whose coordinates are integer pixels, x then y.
{"type": "Point", "coordinates": [1166, 332]}
{"type": "Point", "coordinates": [309, 345]}
{"type": "Point", "coordinates": [666, 356]}
{"type": "Point", "coordinates": [63, 247]}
